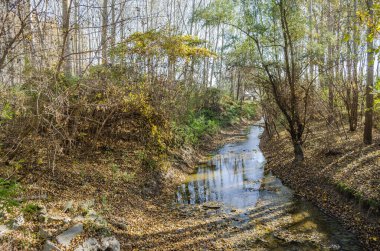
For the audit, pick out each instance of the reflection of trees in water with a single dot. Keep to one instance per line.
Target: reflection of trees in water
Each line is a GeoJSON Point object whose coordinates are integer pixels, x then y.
{"type": "Point", "coordinates": [212, 182]}
{"type": "Point", "coordinates": [227, 175]}
{"type": "Point", "coordinates": [196, 191]}
{"type": "Point", "coordinates": [221, 177]}
{"type": "Point", "coordinates": [244, 175]}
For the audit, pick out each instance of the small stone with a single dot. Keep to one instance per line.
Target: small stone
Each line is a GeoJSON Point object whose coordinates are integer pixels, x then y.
{"type": "Point", "coordinates": [50, 246]}
{"type": "Point", "coordinates": [67, 236]}
{"type": "Point", "coordinates": [58, 218]}
{"type": "Point", "coordinates": [18, 222]}
{"type": "Point", "coordinates": [92, 215]}
{"type": "Point", "coordinates": [42, 210]}
{"type": "Point", "coordinates": [334, 247]}
{"type": "Point", "coordinates": [4, 230]}
{"type": "Point", "coordinates": [89, 245]}
{"type": "Point", "coordinates": [44, 233]}
{"type": "Point", "coordinates": [110, 244]}
{"type": "Point", "coordinates": [78, 218]}
{"type": "Point", "coordinates": [68, 206]}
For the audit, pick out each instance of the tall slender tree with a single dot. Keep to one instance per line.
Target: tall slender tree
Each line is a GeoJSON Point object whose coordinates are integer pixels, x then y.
{"type": "Point", "coordinates": [104, 42]}
{"type": "Point", "coordinates": [368, 124]}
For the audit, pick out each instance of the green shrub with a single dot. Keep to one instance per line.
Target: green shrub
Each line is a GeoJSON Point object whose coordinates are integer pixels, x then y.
{"type": "Point", "coordinates": [210, 109]}
{"type": "Point", "coordinates": [8, 190]}
{"type": "Point", "coordinates": [30, 209]}
{"type": "Point", "coordinates": [249, 110]}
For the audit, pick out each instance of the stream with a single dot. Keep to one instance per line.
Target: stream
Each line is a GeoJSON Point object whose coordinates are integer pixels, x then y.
{"type": "Point", "coordinates": [233, 183]}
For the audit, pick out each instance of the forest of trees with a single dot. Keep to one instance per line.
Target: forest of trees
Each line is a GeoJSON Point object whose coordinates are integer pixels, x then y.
{"type": "Point", "coordinates": [300, 59]}
{"type": "Point", "coordinates": [139, 85]}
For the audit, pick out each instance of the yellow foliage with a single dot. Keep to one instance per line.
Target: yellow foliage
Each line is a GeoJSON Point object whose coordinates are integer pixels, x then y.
{"type": "Point", "coordinates": [139, 101]}
{"type": "Point", "coordinates": [157, 43]}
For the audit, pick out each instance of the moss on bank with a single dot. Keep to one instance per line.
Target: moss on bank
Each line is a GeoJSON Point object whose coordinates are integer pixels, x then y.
{"type": "Point", "coordinates": [366, 203]}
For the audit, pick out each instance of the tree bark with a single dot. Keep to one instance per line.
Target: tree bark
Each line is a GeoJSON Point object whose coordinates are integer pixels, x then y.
{"type": "Point", "coordinates": [330, 70]}
{"type": "Point", "coordinates": [104, 32]}
{"type": "Point", "coordinates": [355, 86]}
{"type": "Point", "coordinates": [368, 124]}
{"type": "Point", "coordinates": [66, 6]}
{"type": "Point", "coordinates": [298, 151]}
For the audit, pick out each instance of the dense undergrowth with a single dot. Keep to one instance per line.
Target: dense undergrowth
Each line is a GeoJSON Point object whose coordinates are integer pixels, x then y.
{"type": "Point", "coordinates": [52, 116]}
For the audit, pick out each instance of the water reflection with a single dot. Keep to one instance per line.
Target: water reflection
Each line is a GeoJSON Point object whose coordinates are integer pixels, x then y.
{"type": "Point", "coordinates": [231, 177]}
{"type": "Point", "coordinates": [279, 220]}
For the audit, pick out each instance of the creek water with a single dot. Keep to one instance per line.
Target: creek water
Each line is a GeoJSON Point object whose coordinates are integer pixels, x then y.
{"type": "Point", "coordinates": [234, 182]}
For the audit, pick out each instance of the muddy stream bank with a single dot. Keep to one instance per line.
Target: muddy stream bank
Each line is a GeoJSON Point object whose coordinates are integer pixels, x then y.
{"type": "Point", "coordinates": [265, 214]}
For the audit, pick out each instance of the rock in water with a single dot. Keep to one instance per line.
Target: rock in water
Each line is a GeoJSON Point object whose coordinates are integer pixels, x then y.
{"type": "Point", "coordinates": [50, 246]}
{"type": "Point", "coordinates": [110, 244]}
{"type": "Point", "coordinates": [66, 237]}
{"type": "Point", "coordinates": [212, 205]}
{"type": "Point", "coordinates": [89, 245]}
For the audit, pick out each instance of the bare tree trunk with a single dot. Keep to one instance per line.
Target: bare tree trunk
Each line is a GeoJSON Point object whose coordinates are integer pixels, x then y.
{"type": "Point", "coordinates": [28, 43]}
{"type": "Point", "coordinates": [104, 31]}
{"type": "Point", "coordinates": [368, 124]}
{"type": "Point", "coordinates": [214, 60]}
{"type": "Point", "coordinates": [311, 66]}
{"type": "Point", "coordinates": [66, 55]}
{"type": "Point", "coordinates": [293, 116]}
{"type": "Point", "coordinates": [113, 29]}
{"type": "Point", "coordinates": [238, 90]}
{"type": "Point", "coordinates": [331, 71]}
{"type": "Point", "coordinates": [76, 39]}
{"type": "Point", "coordinates": [355, 85]}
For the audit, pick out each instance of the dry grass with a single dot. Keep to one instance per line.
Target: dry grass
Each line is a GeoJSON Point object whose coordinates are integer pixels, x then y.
{"type": "Point", "coordinates": [123, 190]}
{"type": "Point", "coordinates": [340, 174]}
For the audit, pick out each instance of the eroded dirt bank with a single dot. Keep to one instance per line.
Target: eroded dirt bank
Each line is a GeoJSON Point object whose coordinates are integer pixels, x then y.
{"type": "Point", "coordinates": [340, 175]}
